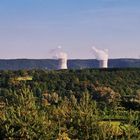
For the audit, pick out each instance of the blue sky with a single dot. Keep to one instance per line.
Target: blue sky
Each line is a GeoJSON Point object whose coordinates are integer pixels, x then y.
{"type": "Point", "coordinates": [31, 28]}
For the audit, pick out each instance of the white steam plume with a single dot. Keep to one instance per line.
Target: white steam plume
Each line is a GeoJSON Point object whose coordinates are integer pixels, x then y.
{"type": "Point", "coordinates": [100, 54]}
{"type": "Point", "coordinates": [58, 53]}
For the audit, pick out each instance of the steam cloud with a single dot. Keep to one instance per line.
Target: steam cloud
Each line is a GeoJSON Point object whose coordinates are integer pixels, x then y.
{"type": "Point", "coordinates": [58, 53]}
{"type": "Point", "coordinates": [100, 54]}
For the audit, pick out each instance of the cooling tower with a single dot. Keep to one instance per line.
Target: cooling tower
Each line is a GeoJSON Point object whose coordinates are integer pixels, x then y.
{"type": "Point", "coordinates": [102, 56]}
{"type": "Point", "coordinates": [62, 63]}
{"type": "Point", "coordinates": [103, 63]}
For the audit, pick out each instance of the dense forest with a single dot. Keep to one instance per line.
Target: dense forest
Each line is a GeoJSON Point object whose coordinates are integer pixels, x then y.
{"type": "Point", "coordinates": [19, 64]}
{"type": "Point", "coordinates": [88, 104]}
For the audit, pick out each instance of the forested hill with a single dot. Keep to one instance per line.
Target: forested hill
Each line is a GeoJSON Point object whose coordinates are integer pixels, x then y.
{"type": "Point", "coordinates": [17, 64]}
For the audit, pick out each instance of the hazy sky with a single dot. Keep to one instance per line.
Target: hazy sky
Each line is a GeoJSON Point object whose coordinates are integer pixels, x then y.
{"type": "Point", "coordinates": [31, 28]}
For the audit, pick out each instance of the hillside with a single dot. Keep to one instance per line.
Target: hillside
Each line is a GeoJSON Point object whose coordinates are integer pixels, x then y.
{"type": "Point", "coordinates": [17, 64]}
{"type": "Point", "coordinates": [70, 104]}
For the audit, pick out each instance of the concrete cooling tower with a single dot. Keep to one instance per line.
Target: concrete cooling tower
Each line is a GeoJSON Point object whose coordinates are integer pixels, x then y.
{"type": "Point", "coordinates": [62, 63]}
{"type": "Point", "coordinates": [103, 63]}
{"type": "Point", "coordinates": [62, 60]}
{"type": "Point", "coordinates": [101, 56]}
{"type": "Point", "coordinates": [61, 56]}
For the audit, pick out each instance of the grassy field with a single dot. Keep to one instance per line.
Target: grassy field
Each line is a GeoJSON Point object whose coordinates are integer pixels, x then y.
{"type": "Point", "coordinates": [27, 78]}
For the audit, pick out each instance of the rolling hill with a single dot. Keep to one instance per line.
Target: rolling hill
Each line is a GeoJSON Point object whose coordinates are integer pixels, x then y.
{"type": "Point", "coordinates": [17, 64]}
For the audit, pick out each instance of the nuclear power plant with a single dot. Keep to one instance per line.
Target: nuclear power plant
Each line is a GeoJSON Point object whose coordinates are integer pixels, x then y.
{"type": "Point", "coordinates": [61, 56]}
{"type": "Point", "coordinates": [101, 56]}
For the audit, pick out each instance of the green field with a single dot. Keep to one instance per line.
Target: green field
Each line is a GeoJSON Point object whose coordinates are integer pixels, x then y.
{"type": "Point", "coordinates": [27, 78]}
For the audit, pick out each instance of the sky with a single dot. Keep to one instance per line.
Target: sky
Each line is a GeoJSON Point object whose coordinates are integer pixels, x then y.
{"type": "Point", "coordinates": [31, 28]}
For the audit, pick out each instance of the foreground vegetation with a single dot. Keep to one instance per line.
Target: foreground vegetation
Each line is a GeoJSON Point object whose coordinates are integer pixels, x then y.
{"type": "Point", "coordinates": [76, 104]}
